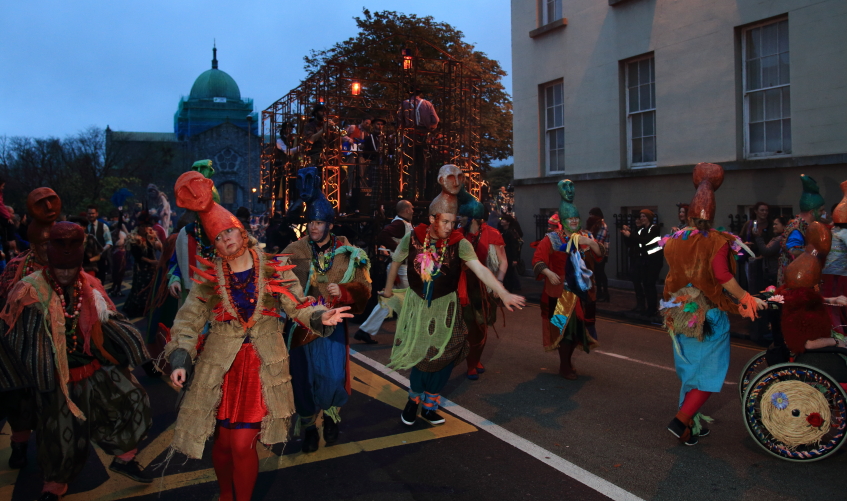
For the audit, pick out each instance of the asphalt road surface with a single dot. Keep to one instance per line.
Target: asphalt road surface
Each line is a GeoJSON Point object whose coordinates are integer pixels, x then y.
{"type": "Point", "coordinates": [519, 432]}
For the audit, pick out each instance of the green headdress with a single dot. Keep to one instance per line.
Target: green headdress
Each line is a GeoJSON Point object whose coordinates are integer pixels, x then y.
{"type": "Point", "coordinates": [567, 209]}
{"type": "Point", "coordinates": [205, 167]}
{"type": "Point", "coordinates": [469, 206]}
{"type": "Point", "coordinates": [811, 198]}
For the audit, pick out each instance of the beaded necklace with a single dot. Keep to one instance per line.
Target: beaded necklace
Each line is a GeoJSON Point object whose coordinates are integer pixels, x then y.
{"type": "Point", "coordinates": [322, 261]}
{"type": "Point", "coordinates": [230, 284]}
{"type": "Point", "coordinates": [29, 264]}
{"type": "Point", "coordinates": [430, 261]}
{"type": "Point", "coordinates": [76, 300]}
{"type": "Point", "coordinates": [207, 251]}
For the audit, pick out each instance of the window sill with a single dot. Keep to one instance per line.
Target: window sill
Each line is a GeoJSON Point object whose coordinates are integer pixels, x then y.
{"type": "Point", "coordinates": [642, 166]}
{"type": "Point", "coordinates": [558, 23]}
{"type": "Point", "coordinates": [612, 3]}
{"type": "Point", "coordinates": [765, 156]}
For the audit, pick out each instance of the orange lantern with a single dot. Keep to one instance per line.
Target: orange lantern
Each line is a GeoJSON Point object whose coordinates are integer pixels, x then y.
{"type": "Point", "coordinates": [356, 88]}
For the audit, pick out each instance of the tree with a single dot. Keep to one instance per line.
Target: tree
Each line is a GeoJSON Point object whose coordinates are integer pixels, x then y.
{"type": "Point", "coordinates": [382, 35]}
{"type": "Point", "coordinates": [500, 176]}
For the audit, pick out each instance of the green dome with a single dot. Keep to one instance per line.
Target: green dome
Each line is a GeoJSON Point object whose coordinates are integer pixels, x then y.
{"type": "Point", "coordinates": [215, 83]}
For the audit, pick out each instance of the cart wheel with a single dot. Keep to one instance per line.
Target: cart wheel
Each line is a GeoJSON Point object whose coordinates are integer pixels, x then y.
{"type": "Point", "coordinates": [796, 412]}
{"type": "Point", "coordinates": [751, 369]}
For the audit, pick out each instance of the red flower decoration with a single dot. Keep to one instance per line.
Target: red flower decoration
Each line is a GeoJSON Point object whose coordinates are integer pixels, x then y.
{"type": "Point", "coordinates": [815, 420]}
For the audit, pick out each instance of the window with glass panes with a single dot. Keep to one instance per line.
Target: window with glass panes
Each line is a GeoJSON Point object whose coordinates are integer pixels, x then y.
{"type": "Point", "coordinates": [554, 107]}
{"type": "Point", "coordinates": [641, 111]}
{"type": "Point", "coordinates": [552, 10]}
{"type": "Point", "coordinates": [767, 93]}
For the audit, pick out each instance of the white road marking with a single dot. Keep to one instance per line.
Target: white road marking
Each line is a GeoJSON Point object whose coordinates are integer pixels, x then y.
{"type": "Point", "coordinates": [622, 357]}
{"type": "Point", "coordinates": [573, 471]}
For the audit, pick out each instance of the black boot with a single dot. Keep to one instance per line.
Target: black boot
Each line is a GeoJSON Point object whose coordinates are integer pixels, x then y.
{"type": "Point", "coordinates": [132, 470]}
{"type": "Point", "coordinates": [330, 430]}
{"type": "Point", "coordinates": [310, 439]}
{"type": "Point", "coordinates": [18, 459]}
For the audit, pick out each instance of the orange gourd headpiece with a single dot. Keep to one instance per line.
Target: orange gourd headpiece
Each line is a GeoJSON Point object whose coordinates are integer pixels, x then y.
{"type": "Point", "coordinates": [707, 179]}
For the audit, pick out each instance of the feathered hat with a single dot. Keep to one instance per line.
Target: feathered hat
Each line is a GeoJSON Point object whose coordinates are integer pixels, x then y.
{"type": "Point", "coordinates": [839, 215]}
{"type": "Point", "coordinates": [707, 179]}
{"type": "Point", "coordinates": [811, 198]}
{"type": "Point", "coordinates": [194, 192]}
{"type": "Point", "coordinates": [805, 271]}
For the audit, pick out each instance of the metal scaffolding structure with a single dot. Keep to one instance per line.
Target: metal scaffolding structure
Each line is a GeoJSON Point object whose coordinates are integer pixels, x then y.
{"type": "Point", "coordinates": [350, 92]}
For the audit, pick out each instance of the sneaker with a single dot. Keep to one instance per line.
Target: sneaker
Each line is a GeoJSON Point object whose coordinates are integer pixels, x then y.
{"type": "Point", "coordinates": [410, 413]}
{"type": "Point", "coordinates": [692, 440]}
{"type": "Point", "coordinates": [473, 374]}
{"type": "Point", "coordinates": [480, 368]}
{"type": "Point", "coordinates": [677, 428]}
{"type": "Point", "coordinates": [704, 432]}
{"type": "Point", "coordinates": [364, 337]}
{"type": "Point", "coordinates": [132, 470]}
{"type": "Point", "coordinates": [432, 417]}
{"type": "Point", "coordinates": [310, 439]}
{"type": "Point", "coordinates": [18, 460]}
{"type": "Point", "coordinates": [330, 431]}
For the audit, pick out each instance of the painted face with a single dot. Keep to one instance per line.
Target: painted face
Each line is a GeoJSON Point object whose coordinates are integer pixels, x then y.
{"type": "Point", "coordinates": [573, 223]}
{"type": "Point", "coordinates": [318, 231]}
{"type": "Point", "coordinates": [229, 241]}
{"type": "Point", "coordinates": [451, 178]}
{"type": "Point", "coordinates": [442, 225]}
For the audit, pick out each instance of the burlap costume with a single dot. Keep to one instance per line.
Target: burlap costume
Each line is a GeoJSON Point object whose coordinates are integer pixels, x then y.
{"type": "Point", "coordinates": [210, 302]}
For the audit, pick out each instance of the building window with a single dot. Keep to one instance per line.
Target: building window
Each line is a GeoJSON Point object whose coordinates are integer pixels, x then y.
{"type": "Point", "coordinates": [551, 11]}
{"type": "Point", "coordinates": [227, 160]}
{"type": "Point", "coordinates": [227, 192]}
{"type": "Point", "coordinates": [767, 97]}
{"type": "Point", "coordinates": [641, 112]}
{"type": "Point", "coordinates": [554, 127]}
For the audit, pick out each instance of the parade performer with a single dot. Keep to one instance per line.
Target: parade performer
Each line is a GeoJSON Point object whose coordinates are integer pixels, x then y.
{"type": "Point", "coordinates": [76, 351]}
{"type": "Point", "coordinates": [696, 306]}
{"type": "Point", "coordinates": [331, 272]}
{"type": "Point", "coordinates": [18, 405]}
{"type": "Point", "coordinates": [241, 389]}
{"type": "Point", "coordinates": [563, 260]}
{"type": "Point", "coordinates": [835, 269]}
{"type": "Point", "coordinates": [480, 312]}
{"type": "Point", "coordinates": [431, 334]}
{"type": "Point", "coordinates": [812, 208]}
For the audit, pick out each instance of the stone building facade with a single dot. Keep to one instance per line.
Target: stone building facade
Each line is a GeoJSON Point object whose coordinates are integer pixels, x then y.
{"type": "Point", "coordinates": [625, 96]}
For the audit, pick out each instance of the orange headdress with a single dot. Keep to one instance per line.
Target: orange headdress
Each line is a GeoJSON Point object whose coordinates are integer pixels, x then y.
{"type": "Point", "coordinates": [194, 192]}
{"type": "Point", "coordinates": [707, 179]}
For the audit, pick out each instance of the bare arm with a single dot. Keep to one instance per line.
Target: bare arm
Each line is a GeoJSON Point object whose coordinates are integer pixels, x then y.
{"type": "Point", "coordinates": [389, 282]}
{"type": "Point", "coordinates": [733, 288]}
{"type": "Point", "coordinates": [504, 262]}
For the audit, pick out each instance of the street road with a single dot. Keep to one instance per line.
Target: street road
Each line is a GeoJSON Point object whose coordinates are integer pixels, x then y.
{"type": "Point", "coordinates": [519, 432]}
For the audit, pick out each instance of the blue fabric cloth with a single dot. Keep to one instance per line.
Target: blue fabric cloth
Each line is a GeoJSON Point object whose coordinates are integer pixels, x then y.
{"type": "Point", "coordinates": [241, 297]}
{"type": "Point", "coordinates": [795, 239]}
{"type": "Point", "coordinates": [430, 382]}
{"type": "Point", "coordinates": [319, 373]}
{"type": "Point", "coordinates": [706, 362]}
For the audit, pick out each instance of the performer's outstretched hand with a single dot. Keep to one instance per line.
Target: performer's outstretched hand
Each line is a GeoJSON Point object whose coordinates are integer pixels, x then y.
{"type": "Point", "coordinates": [332, 317]}
{"type": "Point", "coordinates": [178, 377]}
{"type": "Point", "coordinates": [512, 301]}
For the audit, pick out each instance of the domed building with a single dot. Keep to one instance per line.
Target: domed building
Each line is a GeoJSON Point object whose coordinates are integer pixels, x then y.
{"type": "Point", "coordinates": [212, 122]}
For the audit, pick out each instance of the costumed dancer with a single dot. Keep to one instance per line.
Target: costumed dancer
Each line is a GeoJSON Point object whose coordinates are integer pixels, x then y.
{"type": "Point", "coordinates": [805, 321]}
{"type": "Point", "coordinates": [695, 303]}
{"type": "Point", "coordinates": [18, 405]}
{"type": "Point", "coordinates": [431, 334]}
{"type": "Point", "coordinates": [241, 389]}
{"type": "Point", "coordinates": [480, 310]}
{"type": "Point", "coordinates": [563, 260]}
{"type": "Point", "coordinates": [387, 240]}
{"type": "Point", "coordinates": [332, 272]}
{"type": "Point", "coordinates": [76, 351]}
{"type": "Point", "coordinates": [812, 208]}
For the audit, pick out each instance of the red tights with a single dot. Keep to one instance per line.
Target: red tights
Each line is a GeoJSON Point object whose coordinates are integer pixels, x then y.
{"type": "Point", "coordinates": [236, 462]}
{"type": "Point", "coordinates": [694, 399]}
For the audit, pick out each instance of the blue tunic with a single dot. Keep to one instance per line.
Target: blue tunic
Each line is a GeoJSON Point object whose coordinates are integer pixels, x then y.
{"type": "Point", "coordinates": [708, 360]}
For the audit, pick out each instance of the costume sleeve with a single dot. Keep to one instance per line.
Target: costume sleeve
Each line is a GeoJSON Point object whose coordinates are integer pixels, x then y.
{"type": "Point", "coordinates": [720, 265]}
{"type": "Point", "coordinates": [174, 273]}
{"type": "Point", "coordinates": [495, 237]}
{"type": "Point", "coordinates": [795, 239]}
{"type": "Point", "coordinates": [356, 293]}
{"type": "Point", "coordinates": [189, 322]}
{"type": "Point", "coordinates": [310, 316]}
{"type": "Point", "coordinates": [402, 250]}
{"type": "Point", "coordinates": [466, 251]}
{"type": "Point", "coordinates": [541, 257]}
{"type": "Point", "coordinates": [397, 229]}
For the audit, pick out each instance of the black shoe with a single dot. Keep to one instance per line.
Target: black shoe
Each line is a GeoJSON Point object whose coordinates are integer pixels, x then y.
{"type": "Point", "coordinates": [677, 427]}
{"type": "Point", "coordinates": [132, 470]}
{"type": "Point", "coordinates": [692, 440]}
{"type": "Point", "coordinates": [48, 496]}
{"type": "Point", "coordinates": [364, 337]}
{"type": "Point", "coordinates": [17, 460]}
{"type": "Point", "coordinates": [330, 430]}
{"type": "Point", "coordinates": [311, 439]}
{"type": "Point", "coordinates": [432, 417]}
{"type": "Point", "coordinates": [704, 432]}
{"type": "Point", "coordinates": [410, 413]}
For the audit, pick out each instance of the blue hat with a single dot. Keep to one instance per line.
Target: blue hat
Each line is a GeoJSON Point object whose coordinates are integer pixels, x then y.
{"type": "Point", "coordinates": [469, 205]}
{"type": "Point", "coordinates": [320, 210]}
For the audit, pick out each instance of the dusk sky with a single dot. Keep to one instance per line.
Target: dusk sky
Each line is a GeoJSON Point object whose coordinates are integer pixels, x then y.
{"type": "Point", "coordinates": [69, 65]}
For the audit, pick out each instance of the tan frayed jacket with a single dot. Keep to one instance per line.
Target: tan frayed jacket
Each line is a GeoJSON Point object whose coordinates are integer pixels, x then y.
{"type": "Point", "coordinates": [196, 420]}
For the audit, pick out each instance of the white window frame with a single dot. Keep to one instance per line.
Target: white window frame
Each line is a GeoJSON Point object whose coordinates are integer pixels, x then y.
{"type": "Point", "coordinates": [630, 114]}
{"type": "Point", "coordinates": [746, 95]}
{"type": "Point", "coordinates": [546, 6]}
{"type": "Point", "coordinates": [547, 127]}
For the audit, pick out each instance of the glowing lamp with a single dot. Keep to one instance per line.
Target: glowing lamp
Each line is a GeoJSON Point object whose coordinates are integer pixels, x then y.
{"type": "Point", "coordinates": [407, 59]}
{"type": "Point", "coordinates": [254, 190]}
{"type": "Point", "coordinates": [356, 88]}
